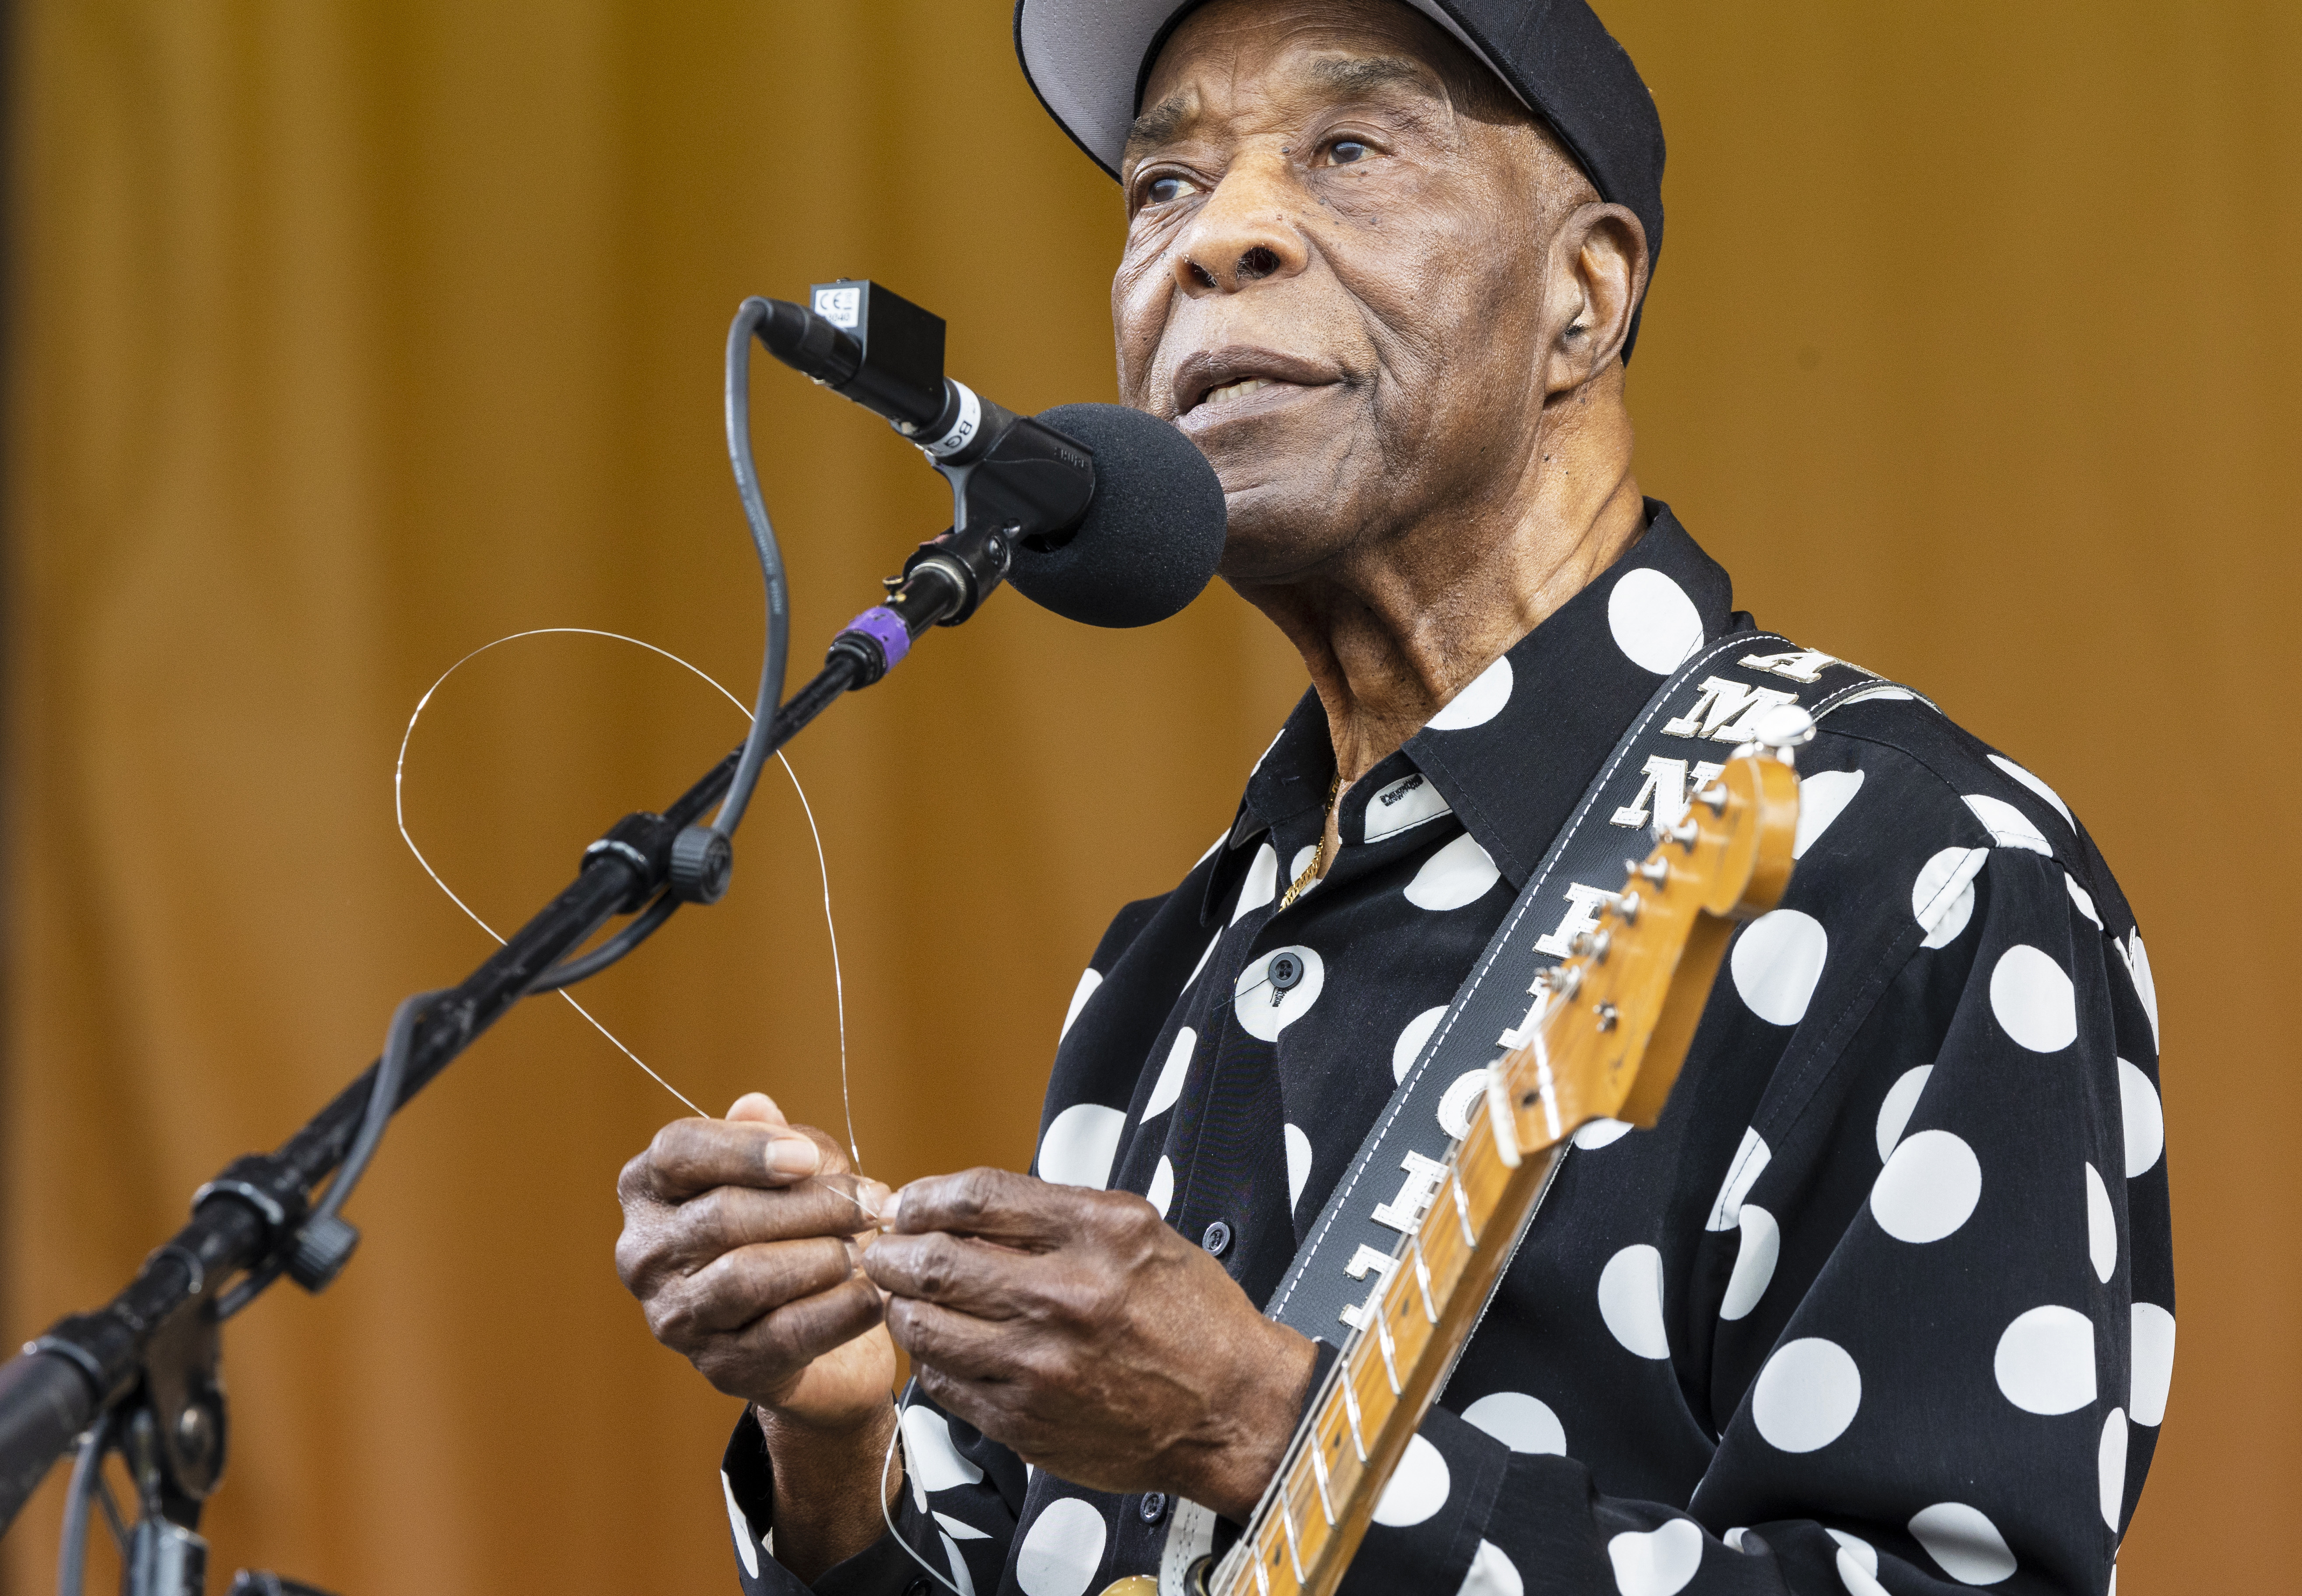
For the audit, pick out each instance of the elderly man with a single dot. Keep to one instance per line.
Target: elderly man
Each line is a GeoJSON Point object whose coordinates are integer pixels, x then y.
{"type": "Point", "coordinates": [1882, 1303]}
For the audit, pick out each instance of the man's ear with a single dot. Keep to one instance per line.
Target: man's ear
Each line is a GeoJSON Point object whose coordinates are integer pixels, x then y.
{"type": "Point", "coordinates": [1598, 272]}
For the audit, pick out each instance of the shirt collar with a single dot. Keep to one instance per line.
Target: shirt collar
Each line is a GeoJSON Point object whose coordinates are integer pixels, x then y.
{"type": "Point", "coordinates": [1513, 751]}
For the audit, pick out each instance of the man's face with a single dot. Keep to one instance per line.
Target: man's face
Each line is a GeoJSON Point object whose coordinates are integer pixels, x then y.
{"type": "Point", "coordinates": [1332, 280]}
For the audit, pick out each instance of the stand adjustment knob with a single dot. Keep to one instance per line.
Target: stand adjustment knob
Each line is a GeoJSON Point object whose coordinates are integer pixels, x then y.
{"type": "Point", "coordinates": [702, 862]}
{"type": "Point", "coordinates": [322, 1248]}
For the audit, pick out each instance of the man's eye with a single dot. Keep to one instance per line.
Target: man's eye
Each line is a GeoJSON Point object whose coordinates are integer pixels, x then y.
{"type": "Point", "coordinates": [1344, 151]}
{"type": "Point", "coordinates": [1161, 190]}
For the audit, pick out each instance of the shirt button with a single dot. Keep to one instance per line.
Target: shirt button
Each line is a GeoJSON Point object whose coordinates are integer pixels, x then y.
{"type": "Point", "coordinates": [1285, 971]}
{"type": "Point", "coordinates": [1154, 1505]}
{"type": "Point", "coordinates": [1216, 1238]}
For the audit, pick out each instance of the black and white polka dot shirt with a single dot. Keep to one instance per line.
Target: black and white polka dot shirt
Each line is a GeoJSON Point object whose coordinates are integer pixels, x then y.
{"type": "Point", "coordinates": [1884, 1303]}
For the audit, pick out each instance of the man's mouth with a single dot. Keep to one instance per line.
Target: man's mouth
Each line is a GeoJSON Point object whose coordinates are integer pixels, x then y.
{"type": "Point", "coordinates": [1213, 381]}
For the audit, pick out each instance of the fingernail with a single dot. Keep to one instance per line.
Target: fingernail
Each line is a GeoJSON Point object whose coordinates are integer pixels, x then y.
{"type": "Point", "coordinates": [793, 1155]}
{"type": "Point", "coordinates": [890, 1210]}
{"type": "Point", "coordinates": [874, 1197]}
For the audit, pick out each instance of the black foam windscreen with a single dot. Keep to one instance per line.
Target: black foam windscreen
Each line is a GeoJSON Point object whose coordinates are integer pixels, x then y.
{"type": "Point", "coordinates": [1153, 534]}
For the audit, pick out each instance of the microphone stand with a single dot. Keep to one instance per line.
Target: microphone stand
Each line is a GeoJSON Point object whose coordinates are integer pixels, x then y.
{"type": "Point", "coordinates": [141, 1373]}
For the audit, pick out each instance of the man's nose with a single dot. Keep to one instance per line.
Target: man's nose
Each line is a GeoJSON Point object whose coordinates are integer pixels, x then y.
{"type": "Point", "coordinates": [1244, 234]}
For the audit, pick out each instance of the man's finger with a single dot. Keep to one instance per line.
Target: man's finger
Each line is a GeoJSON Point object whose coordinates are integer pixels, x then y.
{"type": "Point", "coordinates": [993, 1203]}
{"type": "Point", "coordinates": [780, 1346]}
{"type": "Point", "coordinates": [739, 1287]}
{"type": "Point", "coordinates": [728, 1217]}
{"type": "Point", "coordinates": [959, 1344]}
{"type": "Point", "coordinates": [971, 1277]}
{"type": "Point", "coordinates": [757, 1108]}
{"type": "Point", "coordinates": [689, 1157]}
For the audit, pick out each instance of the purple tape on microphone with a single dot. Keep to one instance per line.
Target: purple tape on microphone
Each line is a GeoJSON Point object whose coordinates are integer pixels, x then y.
{"type": "Point", "coordinates": [884, 628]}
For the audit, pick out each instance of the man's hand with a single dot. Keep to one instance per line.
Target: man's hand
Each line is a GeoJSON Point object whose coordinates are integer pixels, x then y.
{"type": "Point", "coordinates": [1075, 1328]}
{"type": "Point", "coordinates": [741, 1239]}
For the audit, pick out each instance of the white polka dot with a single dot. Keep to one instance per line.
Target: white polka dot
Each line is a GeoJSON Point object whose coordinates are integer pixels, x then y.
{"type": "Point", "coordinates": [2034, 1001]}
{"type": "Point", "coordinates": [1655, 623]}
{"type": "Point", "coordinates": [1806, 1396]}
{"type": "Point", "coordinates": [958, 1529]}
{"type": "Point", "coordinates": [961, 1579]}
{"type": "Point", "coordinates": [1942, 899]}
{"type": "Point", "coordinates": [1630, 1300]}
{"type": "Point", "coordinates": [1965, 1544]}
{"type": "Point", "coordinates": [2110, 1467]}
{"type": "Point", "coordinates": [1492, 1574]}
{"type": "Point", "coordinates": [741, 1528]}
{"type": "Point", "coordinates": [1161, 1193]}
{"type": "Point", "coordinates": [1733, 1537]}
{"type": "Point", "coordinates": [1894, 1112]}
{"type": "Point", "coordinates": [1261, 886]}
{"type": "Point", "coordinates": [1252, 999]}
{"type": "Point", "coordinates": [1411, 1038]}
{"type": "Point", "coordinates": [2008, 827]}
{"type": "Point", "coordinates": [1754, 1263]}
{"type": "Point", "coordinates": [1658, 1562]}
{"type": "Point", "coordinates": [1417, 1490]}
{"type": "Point", "coordinates": [1481, 698]}
{"type": "Point", "coordinates": [1080, 1144]}
{"type": "Point", "coordinates": [1859, 1580]}
{"type": "Point", "coordinates": [1457, 874]}
{"type": "Point", "coordinates": [2102, 1226]}
{"type": "Point", "coordinates": [2154, 1362]}
{"type": "Point", "coordinates": [2138, 966]}
{"type": "Point", "coordinates": [1296, 867]}
{"type": "Point", "coordinates": [2142, 1116]}
{"type": "Point", "coordinates": [1060, 1556]}
{"type": "Point", "coordinates": [1776, 963]}
{"type": "Point", "coordinates": [2045, 1361]}
{"type": "Point", "coordinates": [1823, 797]}
{"type": "Point", "coordinates": [1750, 1160]}
{"type": "Point", "coordinates": [1298, 1162]}
{"type": "Point", "coordinates": [930, 1458]}
{"type": "Point", "coordinates": [1522, 1422]}
{"type": "Point", "coordinates": [1464, 1094]}
{"type": "Point", "coordinates": [1089, 979]}
{"type": "Point", "coordinates": [2084, 899]}
{"type": "Point", "coordinates": [1602, 1133]}
{"type": "Point", "coordinates": [2037, 787]}
{"type": "Point", "coordinates": [1407, 802]}
{"type": "Point", "coordinates": [1858, 1564]}
{"type": "Point", "coordinates": [1929, 1187]}
{"type": "Point", "coordinates": [1170, 1084]}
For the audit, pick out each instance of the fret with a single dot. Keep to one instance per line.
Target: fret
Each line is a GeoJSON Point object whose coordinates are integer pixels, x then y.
{"type": "Point", "coordinates": [1383, 1339]}
{"type": "Point", "coordinates": [1351, 1411]}
{"type": "Point", "coordinates": [1319, 1470]}
{"type": "Point", "coordinates": [1463, 1206]}
{"type": "Point", "coordinates": [1423, 1279]}
{"type": "Point", "coordinates": [1287, 1523]}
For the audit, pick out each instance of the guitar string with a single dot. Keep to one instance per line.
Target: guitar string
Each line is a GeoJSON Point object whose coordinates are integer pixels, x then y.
{"type": "Point", "coordinates": [823, 870]}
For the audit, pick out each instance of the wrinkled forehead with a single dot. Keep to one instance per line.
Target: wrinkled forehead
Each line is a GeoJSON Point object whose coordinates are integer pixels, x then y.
{"type": "Point", "coordinates": [1219, 73]}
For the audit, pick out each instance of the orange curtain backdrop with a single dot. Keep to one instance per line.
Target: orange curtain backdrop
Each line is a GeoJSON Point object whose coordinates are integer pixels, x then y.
{"type": "Point", "coordinates": [344, 339]}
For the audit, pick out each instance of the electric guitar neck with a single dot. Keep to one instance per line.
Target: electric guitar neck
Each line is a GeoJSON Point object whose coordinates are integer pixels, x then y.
{"type": "Point", "coordinates": [1604, 1039]}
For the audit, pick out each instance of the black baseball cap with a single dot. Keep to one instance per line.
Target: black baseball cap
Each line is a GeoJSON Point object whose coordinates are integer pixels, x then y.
{"type": "Point", "coordinates": [1088, 60]}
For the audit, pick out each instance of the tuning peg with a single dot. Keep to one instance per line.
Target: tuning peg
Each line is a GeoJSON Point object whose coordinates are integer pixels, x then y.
{"type": "Point", "coordinates": [1654, 870]}
{"type": "Point", "coordinates": [1785, 728]}
{"type": "Point", "coordinates": [1592, 945]}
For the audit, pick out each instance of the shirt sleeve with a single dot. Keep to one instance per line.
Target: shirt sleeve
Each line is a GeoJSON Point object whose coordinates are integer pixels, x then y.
{"type": "Point", "coordinates": [952, 1519]}
{"type": "Point", "coordinates": [1954, 1375]}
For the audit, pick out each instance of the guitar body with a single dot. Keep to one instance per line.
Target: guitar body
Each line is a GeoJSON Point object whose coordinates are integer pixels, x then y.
{"type": "Point", "coordinates": [1604, 1039]}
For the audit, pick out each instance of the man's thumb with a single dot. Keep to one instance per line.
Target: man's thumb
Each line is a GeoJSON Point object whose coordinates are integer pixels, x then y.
{"type": "Point", "coordinates": [757, 1108]}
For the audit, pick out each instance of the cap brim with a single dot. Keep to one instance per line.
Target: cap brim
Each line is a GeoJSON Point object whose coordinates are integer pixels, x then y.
{"type": "Point", "coordinates": [1087, 61]}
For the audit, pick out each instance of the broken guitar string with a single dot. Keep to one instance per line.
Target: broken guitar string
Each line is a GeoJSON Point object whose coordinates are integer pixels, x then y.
{"type": "Point", "coordinates": [823, 872]}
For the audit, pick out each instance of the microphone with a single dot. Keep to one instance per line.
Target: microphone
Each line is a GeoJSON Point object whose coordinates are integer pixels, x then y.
{"type": "Point", "coordinates": [1102, 514]}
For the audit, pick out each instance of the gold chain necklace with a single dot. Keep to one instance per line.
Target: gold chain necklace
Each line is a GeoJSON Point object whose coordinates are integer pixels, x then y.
{"type": "Point", "coordinates": [1312, 871]}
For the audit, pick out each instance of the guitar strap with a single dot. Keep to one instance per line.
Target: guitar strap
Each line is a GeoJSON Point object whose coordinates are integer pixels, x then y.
{"type": "Point", "coordinates": [1710, 705]}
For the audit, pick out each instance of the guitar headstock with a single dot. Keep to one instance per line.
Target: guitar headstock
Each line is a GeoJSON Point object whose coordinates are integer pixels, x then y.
{"type": "Point", "coordinates": [1612, 1022]}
